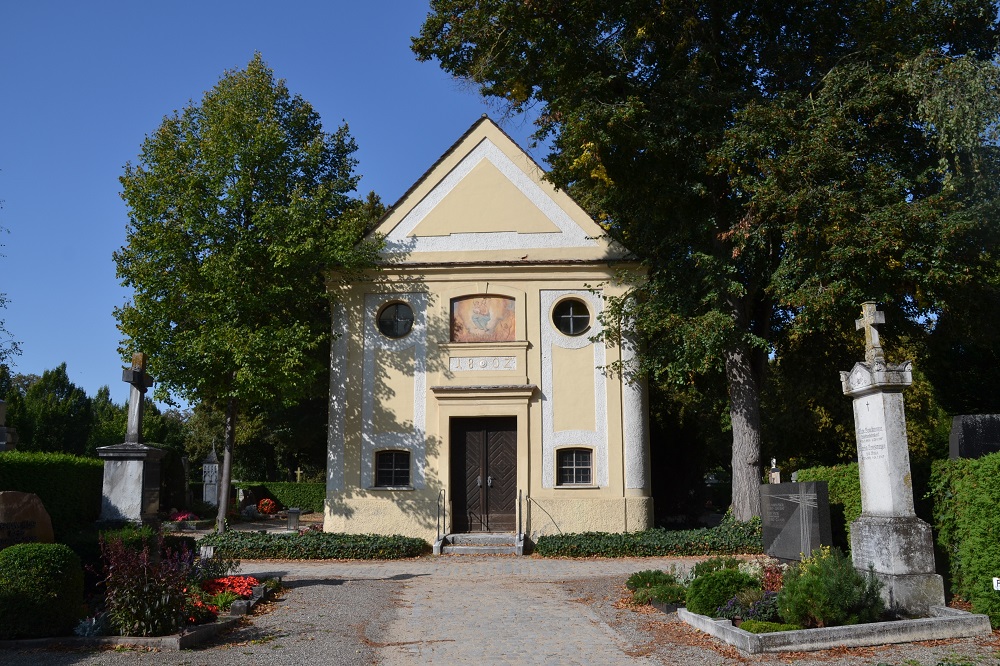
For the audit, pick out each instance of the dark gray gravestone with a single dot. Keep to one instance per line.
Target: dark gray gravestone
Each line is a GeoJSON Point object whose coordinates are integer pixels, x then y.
{"type": "Point", "coordinates": [974, 435]}
{"type": "Point", "coordinates": [796, 518]}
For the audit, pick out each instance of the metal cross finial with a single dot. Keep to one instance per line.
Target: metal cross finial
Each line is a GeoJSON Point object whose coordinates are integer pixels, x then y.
{"type": "Point", "coordinates": [870, 318]}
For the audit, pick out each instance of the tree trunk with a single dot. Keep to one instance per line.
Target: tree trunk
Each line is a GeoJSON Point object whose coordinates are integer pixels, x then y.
{"type": "Point", "coordinates": [744, 412]}
{"type": "Point", "coordinates": [227, 466]}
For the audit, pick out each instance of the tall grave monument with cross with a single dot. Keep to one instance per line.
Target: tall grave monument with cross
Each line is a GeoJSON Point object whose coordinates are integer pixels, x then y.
{"type": "Point", "coordinates": [131, 491]}
{"type": "Point", "coordinates": [888, 536]}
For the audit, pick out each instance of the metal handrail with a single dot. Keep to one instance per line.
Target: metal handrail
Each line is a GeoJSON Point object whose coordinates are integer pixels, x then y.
{"type": "Point", "coordinates": [440, 509]}
{"type": "Point", "coordinates": [532, 499]}
{"type": "Point", "coordinates": [520, 514]}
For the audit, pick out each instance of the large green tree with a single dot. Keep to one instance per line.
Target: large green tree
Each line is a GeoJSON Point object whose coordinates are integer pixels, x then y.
{"type": "Point", "coordinates": [773, 164]}
{"type": "Point", "coordinates": [9, 347]}
{"type": "Point", "coordinates": [237, 207]}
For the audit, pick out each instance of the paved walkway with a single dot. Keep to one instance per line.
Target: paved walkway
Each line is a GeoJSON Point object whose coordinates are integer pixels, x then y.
{"type": "Point", "coordinates": [486, 610]}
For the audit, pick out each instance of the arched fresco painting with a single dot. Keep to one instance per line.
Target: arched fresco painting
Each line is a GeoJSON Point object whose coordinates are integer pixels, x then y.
{"type": "Point", "coordinates": [482, 319]}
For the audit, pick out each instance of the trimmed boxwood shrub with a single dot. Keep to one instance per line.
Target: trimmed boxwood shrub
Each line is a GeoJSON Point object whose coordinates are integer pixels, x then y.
{"type": "Point", "coordinates": [69, 486]}
{"type": "Point", "coordinates": [758, 627]}
{"type": "Point", "coordinates": [966, 494]}
{"type": "Point", "coordinates": [305, 496]}
{"type": "Point", "coordinates": [313, 546]}
{"type": "Point", "coordinates": [41, 590]}
{"type": "Point", "coordinates": [730, 537]}
{"type": "Point", "coordinates": [706, 594]}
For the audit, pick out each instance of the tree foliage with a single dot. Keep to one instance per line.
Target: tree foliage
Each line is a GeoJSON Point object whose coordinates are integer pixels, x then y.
{"type": "Point", "coordinates": [772, 164]}
{"type": "Point", "coordinates": [9, 347]}
{"type": "Point", "coordinates": [237, 206]}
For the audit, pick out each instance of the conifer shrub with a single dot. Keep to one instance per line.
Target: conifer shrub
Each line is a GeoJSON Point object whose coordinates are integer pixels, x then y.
{"type": "Point", "coordinates": [825, 590]}
{"type": "Point", "coordinates": [708, 593]}
{"type": "Point", "coordinates": [41, 590]}
{"type": "Point", "coordinates": [667, 593]}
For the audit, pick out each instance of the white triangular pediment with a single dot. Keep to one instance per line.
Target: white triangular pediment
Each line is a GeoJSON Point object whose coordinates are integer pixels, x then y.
{"type": "Point", "coordinates": [486, 200]}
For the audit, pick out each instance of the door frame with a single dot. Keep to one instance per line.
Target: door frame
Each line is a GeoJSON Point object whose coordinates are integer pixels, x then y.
{"type": "Point", "coordinates": [485, 401]}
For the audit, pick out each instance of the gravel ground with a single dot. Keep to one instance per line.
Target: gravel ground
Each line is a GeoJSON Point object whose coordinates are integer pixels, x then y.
{"type": "Point", "coordinates": [331, 622]}
{"type": "Point", "coordinates": [665, 638]}
{"type": "Point", "coordinates": [338, 622]}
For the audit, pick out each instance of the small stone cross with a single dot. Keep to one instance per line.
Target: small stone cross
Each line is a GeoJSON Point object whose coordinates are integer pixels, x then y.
{"type": "Point", "coordinates": [870, 318]}
{"type": "Point", "coordinates": [298, 475]}
{"type": "Point", "coordinates": [140, 381]}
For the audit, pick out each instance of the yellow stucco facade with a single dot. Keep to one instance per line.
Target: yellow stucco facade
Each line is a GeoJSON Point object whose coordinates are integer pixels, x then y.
{"type": "Point", "coordinates": [467, 393]}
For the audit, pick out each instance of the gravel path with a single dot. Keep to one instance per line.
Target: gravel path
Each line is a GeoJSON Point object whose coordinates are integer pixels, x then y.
{"type": "Point", "coordinates": [479, 611]}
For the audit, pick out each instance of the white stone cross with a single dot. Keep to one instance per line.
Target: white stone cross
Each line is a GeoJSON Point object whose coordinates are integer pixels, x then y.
{"type": "Point", "coordinates": [870, 318]}
{"type": "Point", "coordinates": [140, 381]}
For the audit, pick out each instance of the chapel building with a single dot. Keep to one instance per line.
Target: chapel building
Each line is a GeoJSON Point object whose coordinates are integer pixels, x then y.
{"type": "Point", "coordinates": [467, 391]}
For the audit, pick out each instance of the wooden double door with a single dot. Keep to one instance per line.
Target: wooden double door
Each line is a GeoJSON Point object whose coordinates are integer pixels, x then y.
{"type": "Point", "coordinates": [484, 474]}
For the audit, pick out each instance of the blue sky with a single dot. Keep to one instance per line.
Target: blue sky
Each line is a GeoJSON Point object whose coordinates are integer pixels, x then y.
{"type": "Point", "coordinates": [81, 85]}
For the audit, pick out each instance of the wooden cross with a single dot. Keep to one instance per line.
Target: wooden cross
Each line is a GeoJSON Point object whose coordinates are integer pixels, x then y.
{"type": "Point", "coordinates": [870, 318]}
{"type": "Point", "coordinates": [298, 475]}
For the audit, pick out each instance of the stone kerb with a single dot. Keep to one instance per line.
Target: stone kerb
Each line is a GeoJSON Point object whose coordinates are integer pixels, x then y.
{"type": "Point", "coordinates": [944, 623]}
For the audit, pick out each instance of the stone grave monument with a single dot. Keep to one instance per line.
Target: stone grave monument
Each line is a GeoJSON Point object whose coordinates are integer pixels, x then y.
{"type": "Point", "coordinates": [8, 435]}
{"type": "Point", "coordinates": [131, 492]}
{"type": "Point", "coordinates": [795, 518]}
{"type": "Point", "coordinates": [23, 519]}
{"type": "Point", "coordinates": [888, 536]}
{"type": "Point", "coordinates": [974, 435]}
{"type": "Point", "coordinates": [210, 478]}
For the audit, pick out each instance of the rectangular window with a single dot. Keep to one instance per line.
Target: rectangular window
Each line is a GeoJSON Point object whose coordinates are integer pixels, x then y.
{"type": "Point", "coordinates": [574, 467]}
{"type": "Point", "coordinates": [392, 468]}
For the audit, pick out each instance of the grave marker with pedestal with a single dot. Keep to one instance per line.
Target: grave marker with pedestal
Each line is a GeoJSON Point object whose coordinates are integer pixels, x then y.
{"type": "Point", "coordinates": [888, 536]}
{"type": "Point", "coordinates": [210, 479]}
{"type": "Point", "coordinates": [131, 492]}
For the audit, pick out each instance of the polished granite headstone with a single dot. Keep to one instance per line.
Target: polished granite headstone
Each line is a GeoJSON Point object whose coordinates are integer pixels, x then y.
{"type": "Point", "coordinates": [795, 518]}
{"type": "Point", "coordinates": [974, 435]}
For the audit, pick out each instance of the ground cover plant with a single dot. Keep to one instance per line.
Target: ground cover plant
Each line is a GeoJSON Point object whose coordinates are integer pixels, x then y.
{"type": "Point", "coordinates": [313, 545]}
{"type": "Point", "coordinates": [729, 537]}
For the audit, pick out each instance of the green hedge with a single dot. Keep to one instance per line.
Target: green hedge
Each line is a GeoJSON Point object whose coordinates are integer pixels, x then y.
{"type": "Point", "coordinates": [306, 496]}
{"type": "Point", "coordinates": [731, 537]}
{"type": "Point", "coordinates": [966, 495]}
{"type": "Point", "coordinates": [69, 486]}
{"type": "Point", "coordinates": [844, 483]}
{"type": "Point", "coordinates": [313, 546]}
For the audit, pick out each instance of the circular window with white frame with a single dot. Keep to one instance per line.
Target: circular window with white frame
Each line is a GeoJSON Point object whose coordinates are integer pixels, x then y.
{"type": "Point", "coordinates": [571, 316]}
{"type": "Point", "coordinates": [395, 319]}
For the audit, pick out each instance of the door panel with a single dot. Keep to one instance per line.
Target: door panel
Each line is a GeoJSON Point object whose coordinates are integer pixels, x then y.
{"type": "Point", "coordinates": [501, 467]}
{"type": "Point", "coordinates": [483, 474]}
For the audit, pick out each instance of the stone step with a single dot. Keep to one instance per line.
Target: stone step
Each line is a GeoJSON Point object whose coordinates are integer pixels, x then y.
{"type": "Point", "coordinates": [481, 539]}
{"type": "Point", "coordinates": [479, 550]}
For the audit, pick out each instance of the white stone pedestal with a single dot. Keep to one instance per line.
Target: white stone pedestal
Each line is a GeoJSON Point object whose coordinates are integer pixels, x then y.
{"type": "Point", "coordinates": [888, 536]}
{"type": "Point", "coordinates": [131, 492]}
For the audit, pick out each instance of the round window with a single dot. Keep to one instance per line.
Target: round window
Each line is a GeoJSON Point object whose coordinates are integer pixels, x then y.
{"type": "Point", "coordinates": [395, 320]}
{"type": "Point", "coordinates": [571, 317]}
